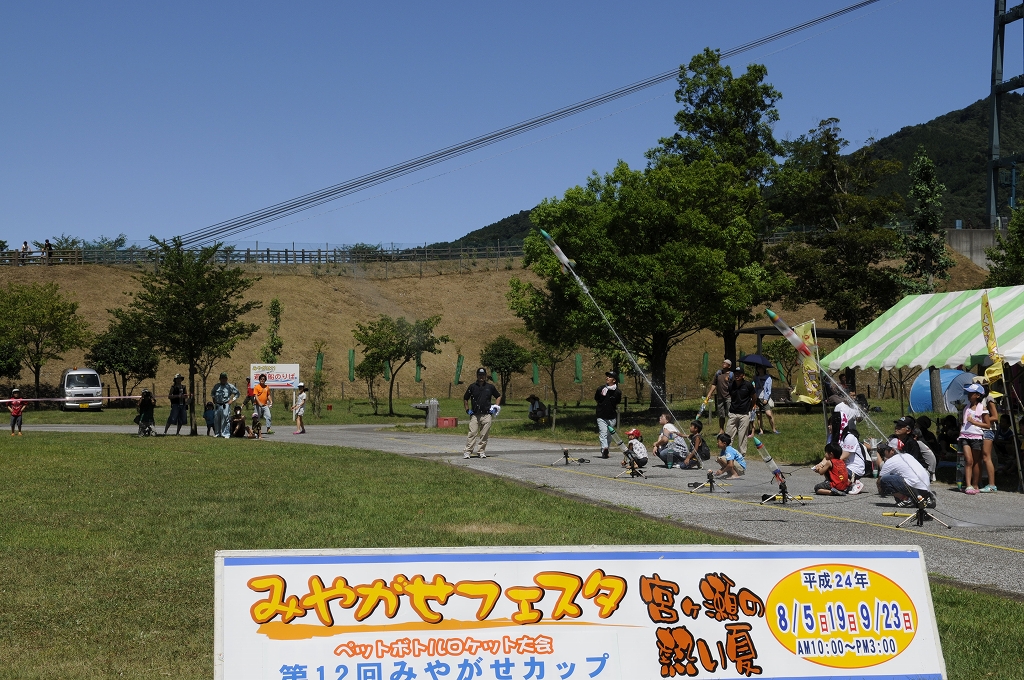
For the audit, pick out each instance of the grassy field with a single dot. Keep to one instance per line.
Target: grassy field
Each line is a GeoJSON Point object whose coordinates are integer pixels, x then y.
{"type": "Point", "coordinates": [107, 567]}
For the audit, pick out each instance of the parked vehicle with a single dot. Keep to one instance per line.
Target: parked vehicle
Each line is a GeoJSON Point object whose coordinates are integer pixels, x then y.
{"type": "Point", "coordinates": [76, 383]}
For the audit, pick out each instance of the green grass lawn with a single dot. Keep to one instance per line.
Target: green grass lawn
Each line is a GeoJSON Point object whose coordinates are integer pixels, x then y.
{"type": "Point", "coordinates": [107, 566]}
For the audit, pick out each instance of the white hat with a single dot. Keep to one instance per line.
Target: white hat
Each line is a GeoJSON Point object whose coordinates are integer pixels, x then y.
{"type": "Point", "coordinates": [301, 384]}
{"type": "Point", "coordinates": [974, 387]}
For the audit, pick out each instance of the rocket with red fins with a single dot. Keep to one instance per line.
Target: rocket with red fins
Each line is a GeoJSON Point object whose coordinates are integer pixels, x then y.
{"type": "Point", "coordinates": [789, 333]}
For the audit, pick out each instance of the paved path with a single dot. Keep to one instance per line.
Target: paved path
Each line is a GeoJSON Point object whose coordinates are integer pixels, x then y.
{"type": "Point", "coordinates": [983, 546]}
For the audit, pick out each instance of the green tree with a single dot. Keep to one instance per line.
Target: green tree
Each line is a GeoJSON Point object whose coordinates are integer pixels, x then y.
{"type": "Point", "coordinates": [124, 353]}
{"type": "Point", "coordinates": [1007, 255]}
{"type": "Point", "coordinates": [843, 257]}
{"type": "Point", "coordinates": [271, 349]}
{"type": "Point", "coordinates": [40, 324]}
{"type": "Point", "coordinates": [318, 385]}
{"type": "Point", "coordinates": [727, 121]}
{"type": "Point", "coordinates": [782, 352]}
{"type": "Point", "coordinates": [369, 370]}
{"type": "Point", "coordinates": [398, 342]}
{"type": "Point", "coordinates": [926, 256]}
{"type": "Point", "coordinates": [504, 356]}
{"type": "Point", "coordinates": [192, 307]}
{"type": "Point", "coordinates": [10, 361]}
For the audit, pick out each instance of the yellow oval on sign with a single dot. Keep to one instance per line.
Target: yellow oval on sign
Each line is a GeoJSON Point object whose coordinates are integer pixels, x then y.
{"type": "Point", "coordinates": [841, 616]}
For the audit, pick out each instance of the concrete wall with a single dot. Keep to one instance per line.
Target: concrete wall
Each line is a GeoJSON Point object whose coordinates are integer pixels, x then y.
{"type": "Point", "coordinates": [972, 243]}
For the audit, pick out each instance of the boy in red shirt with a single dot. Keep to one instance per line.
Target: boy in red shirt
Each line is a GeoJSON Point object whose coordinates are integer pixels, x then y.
{"type": "Point", "coordinates": [16, 405]}
{"type": "Point", "coordinates": [837, 478]}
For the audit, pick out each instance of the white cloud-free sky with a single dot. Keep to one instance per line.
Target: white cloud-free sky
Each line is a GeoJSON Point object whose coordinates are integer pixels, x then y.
{"type": "Point", "coordinates": [162, 118]}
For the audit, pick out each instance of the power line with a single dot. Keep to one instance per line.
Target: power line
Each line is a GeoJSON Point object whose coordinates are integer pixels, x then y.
{"type": "Point", "coordinates": [223, 230]}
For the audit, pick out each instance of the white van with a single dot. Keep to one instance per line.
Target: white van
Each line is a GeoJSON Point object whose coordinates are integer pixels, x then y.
{"type": "Point", "coordinates": [81, 382]}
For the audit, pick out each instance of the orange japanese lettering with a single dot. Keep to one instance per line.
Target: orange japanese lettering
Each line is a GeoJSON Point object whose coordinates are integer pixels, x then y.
{"type": "Point", "coordinates": [568, 586]}
{"type": "Point", "coordinates": [485, 591]}
{"type": "Point", "coordinates": [276, 603]}
{"type": "Point", "coordinates": [421, 593]}
{"type": "Point", "coordinates": [606, 591]}
{"type": "Point", "coordinates": [371, 595]}
{"type": "Point", "coordinates": [319, 599]}
{"type": "Point", "coordinates": [525, 597]}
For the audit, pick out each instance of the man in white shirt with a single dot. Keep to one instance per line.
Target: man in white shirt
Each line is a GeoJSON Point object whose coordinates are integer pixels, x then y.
{"type": "Point", "coordinates": [903, 477]}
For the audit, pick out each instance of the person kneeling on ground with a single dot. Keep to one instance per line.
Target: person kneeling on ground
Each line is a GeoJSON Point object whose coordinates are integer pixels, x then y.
{"type": "Point", "coordinates": [637, 452]}
{"type": "Point", "coordinates": [732, 461]}
{"type": "Point", "coordinates": [538, 411]}
{"type": "Point", "coordinates": [903, 477]}
{"type": "Point", "coordinates": [671, 445]}
{"type": "Point", "coordinates": [256, 431]}
{"type": "Point", "coordinates": [698, 447]}
{"type": "Point", "coordinates": [238, 428]}
{"type": "Point", "coordinates": [837, 478]}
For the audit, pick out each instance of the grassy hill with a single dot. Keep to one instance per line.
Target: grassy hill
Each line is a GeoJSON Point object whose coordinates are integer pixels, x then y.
{"type": "Point", "coordinates": [472, 305]}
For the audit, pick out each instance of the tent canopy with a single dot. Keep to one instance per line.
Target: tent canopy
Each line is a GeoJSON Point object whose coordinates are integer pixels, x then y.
{"type": "Point", "coordinates": [941, 329]}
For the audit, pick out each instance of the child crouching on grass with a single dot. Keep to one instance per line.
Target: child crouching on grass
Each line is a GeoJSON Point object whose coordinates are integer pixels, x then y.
{"type": "Point", "coordinates": [734, 465]}
{"type": "Point", "coordinates": [837, 477]}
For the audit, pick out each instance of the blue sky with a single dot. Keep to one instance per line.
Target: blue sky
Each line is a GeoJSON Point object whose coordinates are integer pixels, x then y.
{"type": "Point", "coordinates": [161, 118]}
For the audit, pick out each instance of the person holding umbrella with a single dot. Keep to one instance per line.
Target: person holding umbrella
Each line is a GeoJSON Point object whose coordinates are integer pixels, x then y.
{"type": "Point", "coordinates": [765, 404]}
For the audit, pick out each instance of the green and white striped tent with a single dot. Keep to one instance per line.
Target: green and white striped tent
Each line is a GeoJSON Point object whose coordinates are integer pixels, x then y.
{"type": "Point", "coordinates": [941, 329]}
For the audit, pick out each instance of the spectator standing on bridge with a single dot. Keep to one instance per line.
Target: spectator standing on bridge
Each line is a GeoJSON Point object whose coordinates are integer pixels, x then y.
{"type": "Point", "coordinates": [720, 388]}
{"type": "Point", "coordinates": [48, 251]}
{"type": "Point", "coordinates": [178, 396]}
{"type": "Point", "coordinates": [24, 252]}
{"type": "Point", "coordinates": [607, 398]}
{"type": "Point", "coordinates": [223, 394]}
{"type": "Point", "coordinates": [16, 405]}
{"type": "Point", "coordinates": [477, 402]}
{"type": "Point", "coordinates": [741, 396]}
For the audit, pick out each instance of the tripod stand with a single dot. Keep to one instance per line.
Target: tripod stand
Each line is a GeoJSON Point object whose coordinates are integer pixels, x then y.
{"type": "Point", "coordinates": [569, 459]}
{"type": "Point", "coordinates": [783, 496]}
{"type": "Point", "coordinates": [710, 484]}
{"type": "Point", "coordinates": [921, 514]}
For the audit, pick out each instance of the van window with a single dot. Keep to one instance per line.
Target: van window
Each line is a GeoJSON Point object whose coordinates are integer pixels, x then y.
{"type": "Point", "coordinates": [78, 380]}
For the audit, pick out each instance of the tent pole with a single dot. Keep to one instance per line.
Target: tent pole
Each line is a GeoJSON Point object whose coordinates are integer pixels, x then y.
{"type": "Point", "coordinates": [1013, 427]}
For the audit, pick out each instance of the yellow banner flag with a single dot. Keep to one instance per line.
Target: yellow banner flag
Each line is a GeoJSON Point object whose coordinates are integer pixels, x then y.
{"type": "Point", "coordinates": [988, 328]}
{"type": "Point", "coordinates": [809, 392]}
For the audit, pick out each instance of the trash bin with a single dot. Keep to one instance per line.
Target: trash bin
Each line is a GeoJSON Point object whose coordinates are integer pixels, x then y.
{"type": "Point", "coordinates": [430, 406]}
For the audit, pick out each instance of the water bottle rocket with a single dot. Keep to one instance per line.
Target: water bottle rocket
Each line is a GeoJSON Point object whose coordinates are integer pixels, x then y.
{"type": "Point", "coordinates": [769, 461]}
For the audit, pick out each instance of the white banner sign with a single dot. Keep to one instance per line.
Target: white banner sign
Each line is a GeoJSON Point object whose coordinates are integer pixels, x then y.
{"type": "Point", "coordinates": [279, 376]}
{"type": "Point", "coordinates": [579, 613]}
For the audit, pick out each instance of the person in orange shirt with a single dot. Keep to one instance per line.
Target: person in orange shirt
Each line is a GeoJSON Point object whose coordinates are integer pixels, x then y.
{"type": "Point", "coordinates": [264, 400]}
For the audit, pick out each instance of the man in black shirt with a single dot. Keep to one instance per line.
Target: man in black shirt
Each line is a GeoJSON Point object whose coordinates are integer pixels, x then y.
{"type": "Point", "coordinates": [477, 402]}
{"type": "Point", "coordinates": [178, 396]}
{"type": "Point", "coordinates": [741, 397]}
{"type": "Point", "coordinates": [607, 398]}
